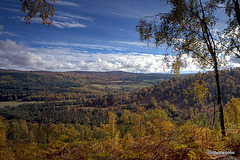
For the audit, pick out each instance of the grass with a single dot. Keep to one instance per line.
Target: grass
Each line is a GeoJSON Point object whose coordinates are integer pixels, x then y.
{"type": "Point", "coordinates": [92, 108]}
{"type": "Point", "coordinates": [14, 103]}
{"type": "Point", "coordinates": [117, 86]}
{"type": "Point", "coordinates": [121, 81]}
{"type": "Point", "coordinates": [153, 81]}
{"type": "Point", "coordinates": [120, 84]}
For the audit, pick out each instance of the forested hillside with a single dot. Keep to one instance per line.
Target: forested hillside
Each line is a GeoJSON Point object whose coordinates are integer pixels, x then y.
{"type": "Point", "coordinates": [171, 93]}
{"type": "Point", "coordinates": [33, 86]}
{"type": "Point", "coordinates": [71, 98]}
{"type": "Point", "coordinates": [162, 121]}
{"type": "Point", "coordinates": [174, 90]}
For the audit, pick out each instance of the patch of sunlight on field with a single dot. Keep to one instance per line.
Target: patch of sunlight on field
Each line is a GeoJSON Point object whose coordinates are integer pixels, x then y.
{"type": "Point", "coordinates": [134, 86]}
{"type": "Point", "coordinates": [14, 104]}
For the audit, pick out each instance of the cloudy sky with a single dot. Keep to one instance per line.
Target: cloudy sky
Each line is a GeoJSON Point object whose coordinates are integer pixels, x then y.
{"type": "Point", "coordinates": [86, 35]}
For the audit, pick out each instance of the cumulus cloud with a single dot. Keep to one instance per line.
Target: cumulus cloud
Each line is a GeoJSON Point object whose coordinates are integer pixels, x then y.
{"type": "Point", "coordinates": [17, 56]}
{"type": "Point", "coordinates": [232, 61]}
{"type": "Point", "coordinates": [62, 58]}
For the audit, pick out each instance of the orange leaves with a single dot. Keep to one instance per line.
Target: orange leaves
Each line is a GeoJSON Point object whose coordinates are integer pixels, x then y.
{"type": "Point", "coordinates": [42, 7]}
{"type": "Point", "coordinates": [151, 135]}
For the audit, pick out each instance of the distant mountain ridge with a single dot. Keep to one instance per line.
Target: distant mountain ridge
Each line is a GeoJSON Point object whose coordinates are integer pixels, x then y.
{"type": "Point", "coordinates": [90, 72]}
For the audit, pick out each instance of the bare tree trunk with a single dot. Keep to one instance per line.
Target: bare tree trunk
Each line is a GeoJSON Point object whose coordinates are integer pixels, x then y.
{"type": "Point", "coordinates": [213, 111]}
{"type": "Point", "coordinates": [237, 10]}
{"type": "Point", "coordinates": [219, 98]}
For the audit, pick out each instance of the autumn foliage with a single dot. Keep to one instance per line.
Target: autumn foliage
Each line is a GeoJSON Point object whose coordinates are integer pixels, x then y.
{"type": "Point", "coordinates": [145, 134]}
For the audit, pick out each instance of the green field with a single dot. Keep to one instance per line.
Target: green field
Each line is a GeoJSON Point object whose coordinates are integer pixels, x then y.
{"type": "Point", "coordinates": [153, 81]}
{"type": "Point", "coordinates": [14, 103]}
{"type": "Point", "coordinates": [119, 86]}
{"type": "Point", "coordinates": [121, 81]}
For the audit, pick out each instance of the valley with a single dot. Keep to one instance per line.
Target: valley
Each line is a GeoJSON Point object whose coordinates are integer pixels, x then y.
{"type": "Point", "coordinates": [61, 114]}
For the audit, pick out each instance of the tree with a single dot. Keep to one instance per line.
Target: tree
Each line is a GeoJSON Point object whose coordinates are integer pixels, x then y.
{"type": "Point", "coordinates": [188, 29]}
{"type": "Point", "coordinates": [152, 103]}
{"type": "Point", "coordinates": [233, 111]}
{"type": "Point", "coordinates": [3, 128]}
{"type": "Point", "coordinates": [199, 91]}
{"type": "Point", "coordinates": [231, 39]}
{"type": "Point", "coordinates": [111, 126]}
{"type": "Point", "coordinates": [43, 8]}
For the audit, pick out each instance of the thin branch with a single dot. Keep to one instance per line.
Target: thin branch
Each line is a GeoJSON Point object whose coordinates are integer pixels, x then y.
{"type": "Point", "coordinates": [237, 47]}
{"type": "Point", "coordinates": [200, 56]}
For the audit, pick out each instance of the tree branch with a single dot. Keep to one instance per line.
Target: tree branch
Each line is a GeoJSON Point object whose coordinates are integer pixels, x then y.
{"type": "Point", "coordinates": [237, 47]}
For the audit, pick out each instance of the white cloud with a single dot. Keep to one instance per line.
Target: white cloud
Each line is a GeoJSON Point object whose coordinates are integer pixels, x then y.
{"type": "Point", "coordinates": [101, 45]}
{"type": "Point", "coordinates": [56, 23]}
{"type": "Point", "coordinates": [130, 43]}
{"type": "Point", "coordinates": [71, 16]}
{"type": "Point", "coordinates": [233, 61]}
{"type": "Point", "coordinates": [9, 33]}
{"type": "Point", "coordinates": [72, 24]}
{"type": "Point", "coordinates": [5, 32]}
{"type": "Point", "coordinates": [10, 9]}
{"type": "Point", "coordinates": [17, 56]}
{"type": "Point", "coordinates": [66, 3]}
{"type": "Point", "coordinates": [65, 16]}
{"type": "Point", "coordinates": [60, 58]}
{"type": "Point", "coordinates": [83, 45]}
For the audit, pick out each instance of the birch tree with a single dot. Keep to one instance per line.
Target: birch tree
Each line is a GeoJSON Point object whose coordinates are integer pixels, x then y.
{"type": "Point", "coordinates": [187, 28]}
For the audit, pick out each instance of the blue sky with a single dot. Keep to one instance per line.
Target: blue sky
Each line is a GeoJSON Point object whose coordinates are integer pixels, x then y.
{"type": "Point", "coordinates": [86, 35]}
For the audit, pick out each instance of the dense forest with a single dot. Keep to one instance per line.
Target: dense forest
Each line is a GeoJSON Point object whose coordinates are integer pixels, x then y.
{"type": "Point", "coordinates": [175, 118]}
{"type": "Point", "coordinates": [33, 86]}
{"type": "Point", "coordinates": [120, 115]}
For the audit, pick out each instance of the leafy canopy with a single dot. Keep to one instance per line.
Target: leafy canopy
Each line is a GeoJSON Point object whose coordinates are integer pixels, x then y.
{"type": "Point", "coordinates": [42, 8]}
{"type": "Point", "coordinates": [186, 29]}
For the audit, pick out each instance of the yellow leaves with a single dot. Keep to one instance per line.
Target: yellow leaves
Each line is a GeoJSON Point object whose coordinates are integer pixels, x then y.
{"type": "Point", "coordinates": [176, 65]}
{"type": "Point", "coordinates": [198, 90]}
{"type": "Point", "coordinates": [138, 129]}
{"type": "Point", "coordinates": [111, 127]}
{"type": "Point", "coordinates": [161, 128]}
{"type": "Point", "coordinates": [127, 141]}
{"type": "Point", "coordinates": [233, 111]}
{"type": "Point", "coordinates": [192, 155]}
{"type": "Point", "coordinates": [152, 135]}
{"type": "Point", "coordinates": [125, 116]}
{"type": "Point", "coordinates": [3, 128]}
{"type": "Point", "coordinates": [19, 151]}
{"type": "Point", "coordinates": [141, 110]}
{"type": "Point", "coordinates": [63, 137]}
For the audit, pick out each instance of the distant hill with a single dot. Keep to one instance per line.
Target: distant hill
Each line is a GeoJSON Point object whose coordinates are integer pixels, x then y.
{"type": "Point", "coordinates": [33, 85]}
{"type": "Point", "coordinates": [173, 90]}
{"type": "Point", "coordinates": [101, 92]}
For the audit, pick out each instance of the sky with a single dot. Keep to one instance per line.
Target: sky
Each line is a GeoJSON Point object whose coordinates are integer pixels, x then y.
{"type": "Point", "coordinates": [86, 35]}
